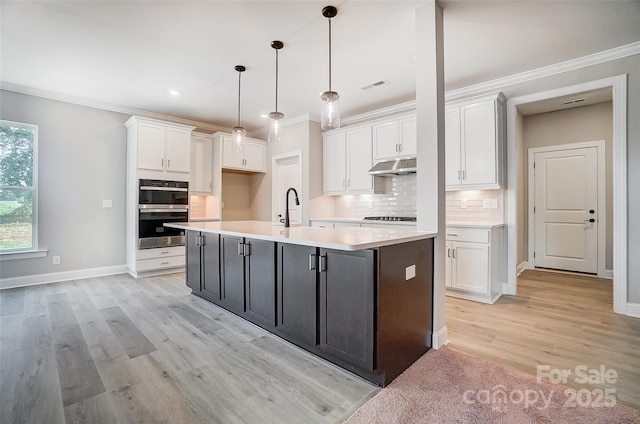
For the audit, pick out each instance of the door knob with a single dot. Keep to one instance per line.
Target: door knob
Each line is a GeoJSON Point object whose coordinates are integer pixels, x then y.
{"type": "Point", "coordinates": [592, 211]}
{"type": "Point", "coordinates": [590, 220]}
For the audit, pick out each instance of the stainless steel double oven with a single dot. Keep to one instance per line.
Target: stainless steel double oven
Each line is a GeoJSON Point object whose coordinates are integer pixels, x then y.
{"type": "Point", "coordinates": [160, 202]}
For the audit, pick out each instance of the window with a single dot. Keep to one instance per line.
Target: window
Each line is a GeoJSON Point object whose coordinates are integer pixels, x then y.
{"type": "Point", "coordinates": [18, 187]}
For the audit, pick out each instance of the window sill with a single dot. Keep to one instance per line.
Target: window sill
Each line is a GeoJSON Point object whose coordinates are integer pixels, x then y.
{"type": "Point", "coordinates": [25, 254]}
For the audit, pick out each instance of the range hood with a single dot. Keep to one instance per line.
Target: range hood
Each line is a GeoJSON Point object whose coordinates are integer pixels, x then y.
{"type": "Point", "coordinates": [394, 167]}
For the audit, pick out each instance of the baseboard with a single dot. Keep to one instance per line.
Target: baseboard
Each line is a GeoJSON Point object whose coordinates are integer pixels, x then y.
{"type": "Point", "coordinates": [608, 273]}
{"type": "Point", "coordinates": [633, 309]}
{"type": "Point", "coordinates": [521, 267]}
{"type": "Point", "coordinates": [54, 277]}
{"type": "Point", "coordinates": [440, 338]}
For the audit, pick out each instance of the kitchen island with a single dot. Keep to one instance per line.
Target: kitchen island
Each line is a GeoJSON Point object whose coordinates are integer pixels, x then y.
{"type": "Point", "coordinates": [358, 297]}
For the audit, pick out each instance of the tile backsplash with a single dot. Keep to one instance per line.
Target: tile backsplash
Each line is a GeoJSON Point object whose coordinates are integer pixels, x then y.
{"type": "Point", "coordinates": [399, 200]}
{"type": "Point", "coordinates": [475, 205]}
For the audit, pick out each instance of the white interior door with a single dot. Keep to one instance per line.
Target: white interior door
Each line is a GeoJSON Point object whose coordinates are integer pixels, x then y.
{"type": "Point", "coordinates": [287, 172]}
{"type": "Point", "coordinates": [566, 209]}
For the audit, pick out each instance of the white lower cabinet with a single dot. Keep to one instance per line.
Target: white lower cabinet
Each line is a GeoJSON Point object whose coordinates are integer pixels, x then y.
{"type": "Point", "coordinates": [162, 258]}
{"type": "Point", "coordinates": [475, 263]}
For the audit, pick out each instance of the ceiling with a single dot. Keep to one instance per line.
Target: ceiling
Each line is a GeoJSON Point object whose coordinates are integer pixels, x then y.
{"type": "Point", "coordinates": [130, 53]}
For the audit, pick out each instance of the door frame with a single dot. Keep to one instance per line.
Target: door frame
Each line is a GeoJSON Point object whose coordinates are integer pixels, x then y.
{"type": "Point", "coordinates": [274, 166]}
{"type": "Point", "coordinates": [618, 86]}
{"type": "Point", "coordinates": [602, 196]}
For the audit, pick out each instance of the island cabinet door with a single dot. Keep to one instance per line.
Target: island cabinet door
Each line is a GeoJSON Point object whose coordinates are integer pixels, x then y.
{"type": "Point", "coordinates": [297, 294]}
{"type": "Point", "coordinates": [232, 273]}
{"type": "Point", "coordinates": [194, 276]}
{"type": "Point", "coordinates": [260, 282]}
{"type": "Point", "coordinates": [347, 284]}
{"type": "Point", "coordinates": [211, 266]}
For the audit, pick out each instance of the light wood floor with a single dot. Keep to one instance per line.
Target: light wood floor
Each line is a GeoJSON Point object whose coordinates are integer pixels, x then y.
{"type": "Point", "coordinates": [119, 350]}
{"type": "Point", "coordinates": [560, 320]}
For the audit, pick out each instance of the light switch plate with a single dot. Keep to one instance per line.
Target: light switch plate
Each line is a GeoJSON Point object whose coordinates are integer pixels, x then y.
{"type": "Point", "coordinates": [410, 272]}
{"type": "Point", "coordinates": [107, 203]}
{"type": "Point", "coordinates": [463, 203]}
{"type": "Point", "coordinates": [490, 203]}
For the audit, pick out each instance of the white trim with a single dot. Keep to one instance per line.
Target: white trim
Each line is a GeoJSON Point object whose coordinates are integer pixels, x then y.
{"type": "Point", "coordinates": [55, 277]}
{"type": "Point", "coordinates": [16, 88]}
{"type": "Point", "coordinates": [520, 269]}
{"type": "Point", "coordinates": [385, 112]}
{"type": "Point", "coordinates": [633, 310]}
{"type": "Point", "coordinates": [274, 164]}
{"type": "Point", "coordinates": [619, 88]}
{"type": "Point", "coordinates": [546, 71]}
{"type": "Point", "coordinates": [440, 338]}
{"type": "Point", "coordinates": [24, 254]}
{"type": "Point", "coordinates": [601, 190]}
{"type": "Point", "coordinates": [608, 274]}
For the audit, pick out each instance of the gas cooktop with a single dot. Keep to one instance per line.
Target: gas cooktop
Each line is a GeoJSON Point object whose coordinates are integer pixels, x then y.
{"type": "Point", "coordinates": [391, 218]}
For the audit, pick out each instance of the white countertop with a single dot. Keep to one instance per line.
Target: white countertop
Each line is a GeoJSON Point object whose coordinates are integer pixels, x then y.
{"type": "Point", "coordinates": [356, 238]}
{"type": "Point", "coordinates": [365, 221]}
{"type": "Point", "coordinates": [476, 224]}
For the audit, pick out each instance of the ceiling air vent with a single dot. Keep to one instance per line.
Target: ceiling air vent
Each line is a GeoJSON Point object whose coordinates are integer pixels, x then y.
{"type": "Point", "coordinates": [375, 84]}
{"type": "Point", "coordinates": [571, 102]}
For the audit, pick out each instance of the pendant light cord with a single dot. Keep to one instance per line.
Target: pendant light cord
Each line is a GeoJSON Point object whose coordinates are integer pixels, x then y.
{"type": "Point", "coordinates": [329, 54]}
{"type": "Point", "coordinates": [239, 77]}
{"type": "Point", "coordinates": [276, 80]}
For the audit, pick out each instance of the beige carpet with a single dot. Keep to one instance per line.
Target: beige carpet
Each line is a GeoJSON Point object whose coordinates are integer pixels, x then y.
{"type": "Point", "coordinates": [445, 386]}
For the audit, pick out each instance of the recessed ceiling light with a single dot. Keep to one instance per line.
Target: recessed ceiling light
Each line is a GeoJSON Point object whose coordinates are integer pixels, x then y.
{"type": "Point", "coordinates": [264, 115]}
{"type": "Point", "coordinates": [174, 92]}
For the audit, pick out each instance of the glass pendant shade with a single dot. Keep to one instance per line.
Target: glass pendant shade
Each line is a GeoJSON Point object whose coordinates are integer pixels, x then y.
{"type": "Point", "coordinates": [330, 114]}
{"type": "Point", "coordinates": [276, 119]}
{"type": "Point", "coordinates": [238, 135]}
{"type": "Point", "coordinates": [276, 126]}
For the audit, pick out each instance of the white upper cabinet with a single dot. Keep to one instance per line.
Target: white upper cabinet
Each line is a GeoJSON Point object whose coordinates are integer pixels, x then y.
{"type": "Point", "coordinates": [201, 164]}
{"type": "Point", "coordinates": [252, 158]}
{"type": "Point", "coordinates": [396, 138]}
{"type": "Point", "coordinates": [474, 143]}
{"type": "Point", "coordinates": [159, 146]}
{"type": "Point", "coordinates": [347, 158]}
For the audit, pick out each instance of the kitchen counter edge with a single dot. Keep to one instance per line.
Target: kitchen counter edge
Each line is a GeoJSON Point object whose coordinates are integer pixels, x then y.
{"type": "Point", "coordinates": [349, 239]}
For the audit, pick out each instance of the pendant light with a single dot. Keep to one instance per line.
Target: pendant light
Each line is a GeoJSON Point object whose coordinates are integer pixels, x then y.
{"type": "Point", "coordinates": [276, 119]}
{"type": "Point", "coordinates": [238, 133]}
{"type": "Point", "coordinates": [330, 115]}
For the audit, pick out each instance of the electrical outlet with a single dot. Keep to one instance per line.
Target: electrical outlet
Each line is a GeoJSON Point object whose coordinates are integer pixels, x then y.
{"type": "Point", "coordinates": [56, 260]}
{"type": "Point", "coordinates": [490, 203]}
{"type": "Point", "coordinates": [463, 203]}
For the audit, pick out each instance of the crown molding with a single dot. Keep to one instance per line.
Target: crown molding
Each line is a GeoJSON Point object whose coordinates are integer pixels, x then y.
{"type": "Point", "coordinates": [264, 132]}
{"type": "Point", "coordinates": [546, 71]}
{"type": "Point", "coordinates": [384, 112]}
{"type": "Point", "coordinates": [108, 106]}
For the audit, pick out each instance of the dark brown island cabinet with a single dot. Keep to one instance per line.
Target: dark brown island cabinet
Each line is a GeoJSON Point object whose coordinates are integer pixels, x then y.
{"type": "Point", "coordinates": [368, 311]}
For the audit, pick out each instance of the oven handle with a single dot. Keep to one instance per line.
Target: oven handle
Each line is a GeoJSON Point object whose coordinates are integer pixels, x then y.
{"type": "Point", "coordinates": [163, 210]}
{"type": "Point", "coordinates": [163, 188]}
{"type": "Point", "coordinates": [178, 208]}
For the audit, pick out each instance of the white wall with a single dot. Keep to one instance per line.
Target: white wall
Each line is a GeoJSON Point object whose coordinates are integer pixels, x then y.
{"type": "Point", "coordinates": [82, 161]}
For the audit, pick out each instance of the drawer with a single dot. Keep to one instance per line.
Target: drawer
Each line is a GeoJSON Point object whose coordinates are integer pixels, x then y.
{"type": "Point", "coordinates": [161, 253]}
{"type": "Point", "coordinates": [477, 235]}
{"type": "Point", "coordinates": [160, 263]}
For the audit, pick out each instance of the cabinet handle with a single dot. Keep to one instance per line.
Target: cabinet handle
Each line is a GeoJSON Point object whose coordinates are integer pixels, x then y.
{"type": "Point", "coordinates": [453, 251]}
{"type": "Point", "coordinates": [203, 240]}
{"type": "Point", "coordinates": [312, 262]}
{"type": "Point", "coordinates": [459, 175]}
{"type": "Point", "coordinates": [452, 235]}
{"type": "Point", "coordinates": [197, 240]}
{"type": "Point", "coordinates": [164, 263]}
{"type": "Point", "coordinates": [344, 183]}
{"type": "Point", "coordinates": [348, 183]}
{"type": "Point", "coordinates": [168, 163]}
{"type": "Point", "coordinates": [323, 263]}
{"type": "Point", "coordinates": [448, 253]}
{"type": "Point", "coordinates": [162, 162]}
{"type": "Point", "coordinates": [240, 248]}
{"type": "Point", "coordinates": [400, 147]}
{"type": "Point", "coordinates": [463, 175]}
{"type": "Point", "coordinates": [246, 251]}
{"type": "Point", "coordinates": [164, 253]}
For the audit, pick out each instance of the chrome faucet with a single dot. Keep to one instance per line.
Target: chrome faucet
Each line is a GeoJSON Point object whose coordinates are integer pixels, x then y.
{"type": "Point", "coordinates": [286, 207]}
